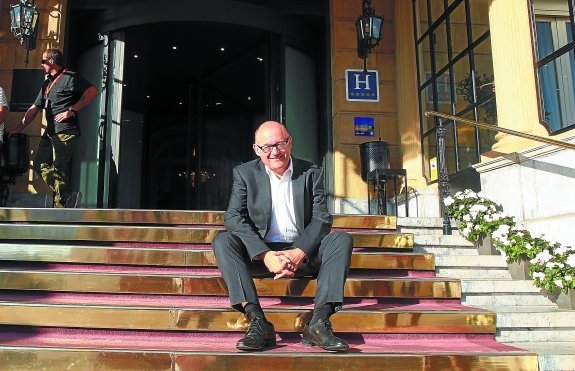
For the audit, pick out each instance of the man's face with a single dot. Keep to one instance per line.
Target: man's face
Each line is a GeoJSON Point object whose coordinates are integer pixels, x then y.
{"type": "Point", "coordinates": [47, 64]}
{"type": "Point", "coordinates": [270, 136]}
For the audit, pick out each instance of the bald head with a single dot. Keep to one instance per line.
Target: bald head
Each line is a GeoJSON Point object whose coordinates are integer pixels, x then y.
{"type": "Point", "coordinates": [270, 126]}
{"type": "Point", "coordinates": [276, 138]}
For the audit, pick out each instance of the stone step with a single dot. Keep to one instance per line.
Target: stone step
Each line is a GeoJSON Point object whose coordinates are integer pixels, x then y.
{"type": "Point", "coordinates": [478, 266]}
{"type": "Point", "coordinates": [552, 356]}
{"type": "Point", "coordinates": [502, 292]}
{"type": "Point", "coordinates": [550, 333]}
{"type": "Point", "coordinates": [482, 261]}
{"type": "Point", "coordinates": [428, 226]}
{"type": "Point", "coordinates": [446, 250]}
{"type": "Point", "coordinates": [474, 272]}
{"type": "Point", "coordinates": [541, 324]}
{"type": "Point", "coordinates": [441, 240]}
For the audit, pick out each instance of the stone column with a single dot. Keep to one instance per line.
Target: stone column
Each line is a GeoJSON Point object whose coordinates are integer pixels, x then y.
{"type": "Point", "coordinates": [515, 84]}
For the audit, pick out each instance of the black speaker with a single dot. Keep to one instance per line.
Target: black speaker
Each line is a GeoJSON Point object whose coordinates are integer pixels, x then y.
{"type": "Point", "coordinates": [373, 156]}
{"type": "Point", "coordinates": [15, 156]}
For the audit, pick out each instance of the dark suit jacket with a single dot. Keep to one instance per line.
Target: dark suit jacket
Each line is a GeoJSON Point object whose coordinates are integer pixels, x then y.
{"type": "Point", "coordinates": [249, 211]}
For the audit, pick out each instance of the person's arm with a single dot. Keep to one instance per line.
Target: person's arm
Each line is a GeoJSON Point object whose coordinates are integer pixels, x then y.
{"type": "Point", "coordinates": [237, 219]}
{"type": "Point", "coordinates": [3, 113]}
{"type": "Point", "coordinates": [29, 116]}
{"type": "Point", "coordinates": [3, 106]}
{"type": "Point", "coordinates": [238, 222]}
{"type": "Point", "coordinates": [86, 98]}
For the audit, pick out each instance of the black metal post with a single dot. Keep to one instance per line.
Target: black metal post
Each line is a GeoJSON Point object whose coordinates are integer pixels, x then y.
{"type": "Point", "coordinates": [443, 175]}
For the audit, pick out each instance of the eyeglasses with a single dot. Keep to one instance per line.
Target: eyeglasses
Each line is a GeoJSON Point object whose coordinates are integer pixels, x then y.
{"type": "Point", "coordinates": [280, 146]}
{"type": "Point", "coordinates": [44, 61]}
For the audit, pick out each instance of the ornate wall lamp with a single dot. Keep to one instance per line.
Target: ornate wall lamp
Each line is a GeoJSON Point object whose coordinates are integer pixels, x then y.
{"type": "Point", "coordinates": [368, 27]}
{"type": "Point", "coordinates": [24, 24]}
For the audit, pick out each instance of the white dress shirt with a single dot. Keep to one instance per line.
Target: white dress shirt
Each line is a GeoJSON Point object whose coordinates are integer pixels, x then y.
{"type": "Point", "coordinates": [282, 224]}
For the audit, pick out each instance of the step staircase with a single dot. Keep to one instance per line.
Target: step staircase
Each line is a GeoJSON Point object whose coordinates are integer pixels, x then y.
{"type": "Point", "coordinates": [140, 290]}
{"type": "Point", "coordinates": [526, 315]}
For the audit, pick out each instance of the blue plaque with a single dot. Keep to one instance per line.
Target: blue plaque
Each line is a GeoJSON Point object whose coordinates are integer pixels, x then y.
{"type": "Point", "coordinates": [362, 86]}
{"type": "Point", "coordinates": [364, 126]}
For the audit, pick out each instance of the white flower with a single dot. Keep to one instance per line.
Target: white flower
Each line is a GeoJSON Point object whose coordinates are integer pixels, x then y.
{"type": "Point", "coordinates": [520, 234]}
{"type": "Point", "coordinates": [467, 217]}
{"type": "Point", "coordinates": [559, 283]}
{"type": "Point", "coordinates": [528, 246]}
{"type": "Point", "coordinates": [570, 260]}
{"type": "Point", "coordinates": [539, 275]}
{"type": "Point", "coordinates": [550, 265]}
{"type": "Point", "coordinates": [470, 194]}
{"type": "Point", "coordinates": [448, 201]}
{"type": "Point", "coordinates": [542, 257]}
{"type": "Point", "coordinates": [461, 207]}
{"type": "Point", "coordinates": [561, 250]}
{"type": "Point", "coordinates": [568, 278]}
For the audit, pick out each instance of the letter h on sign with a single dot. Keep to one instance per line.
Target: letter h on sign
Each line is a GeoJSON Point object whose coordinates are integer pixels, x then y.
{"type": "Point", "coordinates": [361, 86]}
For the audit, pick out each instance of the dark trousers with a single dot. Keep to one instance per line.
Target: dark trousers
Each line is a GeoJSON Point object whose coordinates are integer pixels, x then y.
{"type": "Point", "coordinates": [330, 265]}
{"type": "Point", "coordinates": [52, 162]}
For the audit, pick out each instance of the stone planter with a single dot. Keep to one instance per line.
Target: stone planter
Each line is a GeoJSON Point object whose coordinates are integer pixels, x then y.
{"type": "Point", "coordinates": [566, 300]}
{"type": "Point", "coordinates": [485, 247]}
{"type": "Point", "coordinates": [519, 270]}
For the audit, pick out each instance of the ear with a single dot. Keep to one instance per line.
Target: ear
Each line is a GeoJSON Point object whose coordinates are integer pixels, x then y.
{"type": "Point", "coordinates": [256, 149]}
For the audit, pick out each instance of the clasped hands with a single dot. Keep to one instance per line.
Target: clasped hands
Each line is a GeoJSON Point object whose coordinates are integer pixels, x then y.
{"type": "Point", "coordinates": [283, 263]}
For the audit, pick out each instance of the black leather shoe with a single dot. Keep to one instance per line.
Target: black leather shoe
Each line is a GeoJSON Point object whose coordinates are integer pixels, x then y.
{"type": "Point", "coordinates": [260, 334]}
{"type": "Point", "coordinates": [321, 334]}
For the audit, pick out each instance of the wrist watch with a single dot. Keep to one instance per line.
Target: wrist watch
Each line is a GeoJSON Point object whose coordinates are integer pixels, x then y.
{"type": "Point", "coordinates": [71, 109]}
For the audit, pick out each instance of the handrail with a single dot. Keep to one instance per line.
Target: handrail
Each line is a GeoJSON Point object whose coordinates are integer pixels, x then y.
{"type": "Point", "coordinates": [443, 175]}
{"type": "Point", "coordinates": [503, 130]}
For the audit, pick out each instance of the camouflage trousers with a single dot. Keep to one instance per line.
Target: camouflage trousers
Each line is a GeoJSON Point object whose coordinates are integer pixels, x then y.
{"type": "Point", "coordinates": [53, 161]}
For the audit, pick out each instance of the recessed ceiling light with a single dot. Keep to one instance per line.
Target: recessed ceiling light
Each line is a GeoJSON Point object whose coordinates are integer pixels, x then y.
{"type": "Point", "coordinates": [147, 96]}
{"type": "Point", "coordinates": [222, 49]}
{"type": "Point", "coordinates": [181, 103]}
{"type": "Point", "coordinates": [174, 47]}
{"type": "Point", "coordinates": [218, 103]}
{"type": "Point", "coordinates": [136, 56]}
{"type": "Point", "coordinates": [260, 59]}
{"type": "Point", "coordinates": [249, 98]}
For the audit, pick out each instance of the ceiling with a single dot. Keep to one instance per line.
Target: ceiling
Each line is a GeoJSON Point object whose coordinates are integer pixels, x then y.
{"type": "Point", "coordinates": [294, 7]}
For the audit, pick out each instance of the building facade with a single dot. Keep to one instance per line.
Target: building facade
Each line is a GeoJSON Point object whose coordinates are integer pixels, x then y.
{"type": "Point", "coordinates": [184, 85]}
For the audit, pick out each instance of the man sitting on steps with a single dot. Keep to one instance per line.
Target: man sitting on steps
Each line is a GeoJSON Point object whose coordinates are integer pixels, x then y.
{"type": "Point", "coordinates": [277, 221]}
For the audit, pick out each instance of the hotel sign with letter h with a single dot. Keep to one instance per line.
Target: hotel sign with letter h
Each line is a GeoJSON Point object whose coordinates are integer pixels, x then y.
{"type": "Point", "coordinates": [361, 86]}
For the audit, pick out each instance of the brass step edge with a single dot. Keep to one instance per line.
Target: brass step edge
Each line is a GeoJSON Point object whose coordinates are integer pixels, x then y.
{"type": "Point", "coordinates": [48, 359]}
{"type": "Point", "coordinates": [228, 320]}
{"type": "Point", "coordinates": [166, 234]}
{"type": "Point", "coordinates": [215, 286]}
{"type": "Point", "coordinates": [185, 257]}
{"type": "Point", "coordinates": [166, 217]}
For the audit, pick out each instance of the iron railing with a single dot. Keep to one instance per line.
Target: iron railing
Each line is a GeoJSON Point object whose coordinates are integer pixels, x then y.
{"type": "Point", "coordinates": [443, 175]}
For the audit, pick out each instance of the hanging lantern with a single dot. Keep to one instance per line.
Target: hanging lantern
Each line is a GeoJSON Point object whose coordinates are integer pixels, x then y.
{"type": "Point", "coordinates": [24, 24]}
{"type": "Point", "coordinates": [368, 27]}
